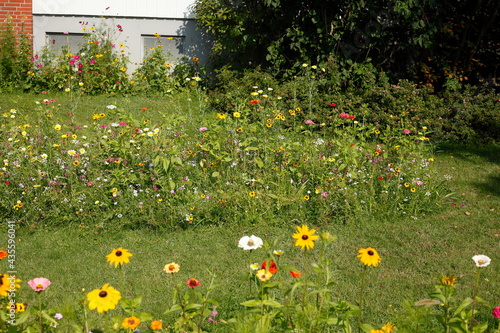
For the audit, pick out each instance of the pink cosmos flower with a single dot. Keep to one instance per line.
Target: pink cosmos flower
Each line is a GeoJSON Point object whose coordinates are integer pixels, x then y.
{"type": "Point", "coordinates": [39, 284]}
{"type": "Point", "coordinates": [309, 122]}
{"type": "Point", "coordinates": [203, 129]}
{"type": "Point", "coordinates": [406, 131]}
{"type": "Point", "coordinates": [344, 115]}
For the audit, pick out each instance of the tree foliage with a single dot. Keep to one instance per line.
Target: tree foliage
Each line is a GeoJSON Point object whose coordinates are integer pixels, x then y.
{"type": "Point", "coordinates": [425, 39]}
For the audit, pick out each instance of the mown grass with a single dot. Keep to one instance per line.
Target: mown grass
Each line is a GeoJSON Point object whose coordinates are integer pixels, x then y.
{"type": "Point", "coordinates": [415, 253]}
{"type": "Point", "coordinates": [416, 250]}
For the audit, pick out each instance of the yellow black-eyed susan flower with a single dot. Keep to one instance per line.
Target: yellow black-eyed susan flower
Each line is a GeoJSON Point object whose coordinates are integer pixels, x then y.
{"type": "Point", "coordinates": [369, 257]}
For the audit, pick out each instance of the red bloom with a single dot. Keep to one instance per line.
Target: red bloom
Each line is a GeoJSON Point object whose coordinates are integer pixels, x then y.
{"type": "Point", "coordinates": [352, 117]}
{"type": "Point", "coordinates": [271, 267]}
{"type": "Point", "coordinates": [380, 178]}
{"type": "Point", "coordinates": [7, 182]}
{"type": "Point", "coordinates": [193, 283]}
{"type": "Point", "coordinates": [295, 274]}
{"type": "Point", "coordinates": [254, 101]}
{"type": "Point", "coordinates": [144, 109]}
{"type": "Point", "coordinates": [333, 105]}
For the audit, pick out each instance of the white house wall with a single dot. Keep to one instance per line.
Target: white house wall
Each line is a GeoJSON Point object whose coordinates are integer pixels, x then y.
{"type": "Point", "coordinates": [129, 8]}
{"type": "Point", "coordinates": [138, 19]}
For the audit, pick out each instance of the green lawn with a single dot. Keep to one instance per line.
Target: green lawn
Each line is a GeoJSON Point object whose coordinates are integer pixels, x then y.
{"type": "Point", "coordinates": [416, 251]}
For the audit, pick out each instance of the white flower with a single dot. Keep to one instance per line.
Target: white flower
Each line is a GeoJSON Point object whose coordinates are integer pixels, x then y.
{"type": "Point", "coordinates": [111, 107]}
{"type": "Point", "coordinates": [250, 243]}
{"type": "Point", "coordinates": [254, 267]}
{"type": "Point", "coordinates": [481, 260]}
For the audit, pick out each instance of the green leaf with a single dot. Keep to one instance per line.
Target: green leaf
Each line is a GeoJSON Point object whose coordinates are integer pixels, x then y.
{"type": "Point", "coordinates": [175, 307]}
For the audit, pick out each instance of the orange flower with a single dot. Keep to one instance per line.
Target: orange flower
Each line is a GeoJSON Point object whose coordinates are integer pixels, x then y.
{"type": "Point", "coordinates": [131, 322]}
{"type": "Point", "coordinates": [3, 254]}
{"type": "Point", "coordinates": [254, 101]}
{"type": "Point", "coordinates": [144, 109]}
{"type": "Point", "coordinates": [295, 274]}
{"type": "Point", "coordinates": [193, 282]}
{"type": "Point", "coordinates": [156, 325]}
{"type": "Point", "coordinates": [271, 267]}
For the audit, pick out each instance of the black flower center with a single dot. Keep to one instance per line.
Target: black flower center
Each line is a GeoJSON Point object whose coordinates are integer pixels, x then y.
{"type": "Point", "coordinates": [118, 253]}
{"type": "Point", "coordinates": [305, 237]}
{"type": "Point", "coordinates": [1, 279]}
{"type": "Point", "coordinates": [370, 253]}
{"type": "Point", "coordinates": [103, 294]}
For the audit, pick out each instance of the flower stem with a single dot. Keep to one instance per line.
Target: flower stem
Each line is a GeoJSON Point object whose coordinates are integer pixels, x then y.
{"type": "Point", "coordinates": [40, 311]}
{"type": "Point", "coordinates": [361, 296]}
{"type": "Point", "coordinates": [475, 295]}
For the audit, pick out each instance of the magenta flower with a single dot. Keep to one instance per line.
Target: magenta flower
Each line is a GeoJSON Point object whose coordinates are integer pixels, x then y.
{"type": "Point", "coordinates": [39, 284]}
{"type": "Point", "coordinates": [309, 122]}
{"type": "Point", "coordinates": [496, 312]}
{"type": "Point", "coordinates": [406, 131]}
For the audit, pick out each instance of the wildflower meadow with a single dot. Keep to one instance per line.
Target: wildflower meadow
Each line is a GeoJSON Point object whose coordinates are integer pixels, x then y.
{"type": "Point", "coordinates": [156, 200]}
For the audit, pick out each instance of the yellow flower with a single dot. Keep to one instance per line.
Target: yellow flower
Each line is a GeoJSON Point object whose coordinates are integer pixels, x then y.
{"type": "Point", "coordinates": [119, 256]}
{"type": "Point", "coordinates": [172, 268]}
{"type": "Point", "coordinates": [103, 299]}
{"type": "Point", "coordinates": [389, 328]}
{"type": "Point", "coordinates": [221, 115]}
{"type": "Point", "coordinates": [448, 280]}
{"type": "Point", "coordinates": [369, 257]}
{"type": "Point", "coordinates": [237, 114]}
{"type": "Point", "coordinates": [305, 237]}
{"type": "Point", "coordinates": [264, 275]}
{"type": "Point", "coordinates": [131, 322]}
{"type": "Point", "coordinates": [5, 284]}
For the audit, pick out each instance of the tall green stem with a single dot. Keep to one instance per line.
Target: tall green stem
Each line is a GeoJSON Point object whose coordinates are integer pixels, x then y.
{"type": "Point", "coordinates": [40, 311]}
{"type": "Point", "coordinates": [361, 296]}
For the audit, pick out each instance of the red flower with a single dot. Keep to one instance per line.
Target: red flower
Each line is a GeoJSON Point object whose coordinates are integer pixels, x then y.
{"type": "Point", "coordinates": [295, 274]}
{"type": "Point", "coordinates": [352, 117]}
{"type": "Point", "coordinates": [271, 268]}
{"type": "Point", "coordinates": [193, 283]}
{"type": "Point", "coordinates": [144, 109]}
{"type": "Point", "coordinates": [254, 101]}
{"type": "Point", "coordinates": [380, 178]}
{"type": "Point", "coordinates": [333, 105]}
{"type": "Point", "coordinates": [7, 182]}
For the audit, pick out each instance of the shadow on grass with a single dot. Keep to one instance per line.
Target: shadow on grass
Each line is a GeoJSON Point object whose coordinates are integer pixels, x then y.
{"type": "Point", "coordinates": [484, 160]}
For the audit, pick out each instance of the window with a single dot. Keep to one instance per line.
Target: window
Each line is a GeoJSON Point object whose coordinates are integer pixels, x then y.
{"type": "Point", "coordinates": [58, 40]}
{"type": "Point", "coordinates": [172, 46]}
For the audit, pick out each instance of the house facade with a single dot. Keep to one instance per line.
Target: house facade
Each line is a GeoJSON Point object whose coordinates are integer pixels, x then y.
{"type": "Point", "coordinates": [137, 24]}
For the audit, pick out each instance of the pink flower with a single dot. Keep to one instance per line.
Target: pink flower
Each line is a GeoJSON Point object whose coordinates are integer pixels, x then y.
{"type": "Point", "coordinates": [406, 131]}
{"type": "Point", "coordinates": [344, 115]}
{"type": "Point", "coordinates": [496, 312]}
{"type": "Point", "coordinates": [309, 122]}
{"type": "Point", "coordinates": [92, 61]}
{"type": "Point", "coordinates": [122, 123]}
{"type": "Point", "coordinates": [39, 284]}
{"type": "Point", "coordinates": [324, 194]}
{"type": "Point", "coordinates": [203, 129]}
